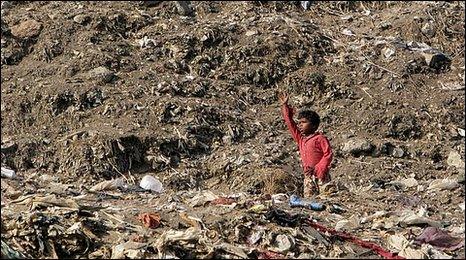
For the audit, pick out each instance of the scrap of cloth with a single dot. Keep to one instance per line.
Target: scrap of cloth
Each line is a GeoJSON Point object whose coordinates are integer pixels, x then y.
{"type": "Point", "coordinates": [150, 220]}
{"type": "Point", "coordinates": [345, 236]}
{"type": "Point", "coordinates": [439, 238]}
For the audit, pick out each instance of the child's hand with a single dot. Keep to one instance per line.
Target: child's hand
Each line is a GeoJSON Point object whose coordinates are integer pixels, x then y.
{"type": "Point", "coordinates": [283, 98]}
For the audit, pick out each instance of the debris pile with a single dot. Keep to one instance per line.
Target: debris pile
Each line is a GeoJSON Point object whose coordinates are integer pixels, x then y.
{"type": "Point", "coordinates": [152, 129]}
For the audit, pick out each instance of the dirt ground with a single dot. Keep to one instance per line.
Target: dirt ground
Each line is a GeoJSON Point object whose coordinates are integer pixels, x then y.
{"type": "Point", "coordinates": [95, 91]}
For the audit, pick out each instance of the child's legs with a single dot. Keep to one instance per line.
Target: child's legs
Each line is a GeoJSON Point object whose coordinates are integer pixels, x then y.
{"type": "Point", "coordinates": [326, 179]}
{"type": "Point", "coordinates": [310, 186]}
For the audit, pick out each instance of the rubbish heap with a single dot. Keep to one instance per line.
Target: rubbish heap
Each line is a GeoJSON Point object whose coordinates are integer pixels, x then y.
{"type": "Point", "coordinates": [152, 129]}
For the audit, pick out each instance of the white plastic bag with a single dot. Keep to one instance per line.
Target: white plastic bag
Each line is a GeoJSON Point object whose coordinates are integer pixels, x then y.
{"type": "Point", "coordinates": [8, 173]}
{"type": "Point", "coordinates": [150, 183]}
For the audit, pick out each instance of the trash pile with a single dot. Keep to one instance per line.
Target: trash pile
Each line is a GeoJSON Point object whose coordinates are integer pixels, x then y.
{"type": "Point", "coordinates": [152, 129]}
{"type": "Point", "coordinates": [113, 221]}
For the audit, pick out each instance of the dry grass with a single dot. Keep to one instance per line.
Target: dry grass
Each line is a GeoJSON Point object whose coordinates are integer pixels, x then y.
{"type": "Point", "coordinates": [277, 180]}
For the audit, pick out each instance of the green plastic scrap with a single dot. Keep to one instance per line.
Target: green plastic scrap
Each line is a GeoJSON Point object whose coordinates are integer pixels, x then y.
{"type": "Point", "coordinates": [10, 253]}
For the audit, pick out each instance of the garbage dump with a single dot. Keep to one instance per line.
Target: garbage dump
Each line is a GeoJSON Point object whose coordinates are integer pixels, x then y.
{"type": "Point", "coordinates": [153, 129]}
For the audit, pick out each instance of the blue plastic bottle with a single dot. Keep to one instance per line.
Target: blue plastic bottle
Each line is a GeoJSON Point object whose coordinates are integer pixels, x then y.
{"type": "Point", "coordinates": [296, 201]}
{"type": "Point", "coordinates": [316, 206]}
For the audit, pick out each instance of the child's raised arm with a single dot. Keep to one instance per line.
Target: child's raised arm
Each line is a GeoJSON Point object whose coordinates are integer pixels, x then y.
{"type": "Point", "coordinates": [288, 116]}
{"type": "Point", "coordinates": [283, 98]}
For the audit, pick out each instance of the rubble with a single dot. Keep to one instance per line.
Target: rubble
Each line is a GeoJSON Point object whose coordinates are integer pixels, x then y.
{"type": "Point", "coordinates": [357, 146]}
{"type": "Point", "coordinates": [443, 184]}
{"type": "Point", "coordinates": [27, 29]}
{"type": "Point", "coordinates": [152, 129]}
{"type": "Point", "coordinates": [101, 74]}
{"type": "Point", "coordinates": [436, 60]}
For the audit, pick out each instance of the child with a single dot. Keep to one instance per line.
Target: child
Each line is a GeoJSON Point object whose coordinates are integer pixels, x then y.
{"type": "Point", "coordinates": [314, 148]}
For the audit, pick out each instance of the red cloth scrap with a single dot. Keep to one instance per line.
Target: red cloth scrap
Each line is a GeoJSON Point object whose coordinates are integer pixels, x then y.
{"type": "Point", "coordinates": [366, 244]}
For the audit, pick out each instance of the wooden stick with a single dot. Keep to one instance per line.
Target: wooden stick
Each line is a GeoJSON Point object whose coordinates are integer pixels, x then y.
{"type": "Point", "coordinates": [380, 67]}
{"type": "Point", "coordinates": [366, 92]}
{"type": "Point", "coordinates": [362, 162]}
{"type": "Point", "coordinates": [114, 167]}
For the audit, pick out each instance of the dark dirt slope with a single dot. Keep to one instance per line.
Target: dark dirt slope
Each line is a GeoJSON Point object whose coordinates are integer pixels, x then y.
{"type": "Point", "coordinates": [94, 90]}
{"type": "Point", "coordinates": [209, 82]}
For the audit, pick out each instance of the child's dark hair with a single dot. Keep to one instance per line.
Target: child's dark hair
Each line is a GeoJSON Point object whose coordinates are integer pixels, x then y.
{"type": "Point", "coordinates": [310, 115]}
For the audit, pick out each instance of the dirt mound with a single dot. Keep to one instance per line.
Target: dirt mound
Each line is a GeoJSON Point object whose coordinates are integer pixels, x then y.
{"type": "Point", "coordinates": [94, 91]}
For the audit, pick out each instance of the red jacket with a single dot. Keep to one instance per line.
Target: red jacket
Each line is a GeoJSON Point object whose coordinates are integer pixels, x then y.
{"type": "Point", "coordinates": [314, 149]}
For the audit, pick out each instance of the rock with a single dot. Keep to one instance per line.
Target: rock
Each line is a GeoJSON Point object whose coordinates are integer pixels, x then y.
{"type": "Point", "coordinates": [405, 183]}
{"type": "Point", "coordinates": [436, 60]}
{"type": "Point", "coordinates": [443, 184]}
{"type": "Point", "coordinates": [284, 243]}
{"type": "Point", "coordinates": [184, 8]}
{"type": "Point", "coordinates": [101, 74]}
{"type": "Point", "coordinates": [454, 159]}
{"type": "Point", "coordinates": [397, 152]}
{"type": "Point", "coordinates": [81, 18]}
{"type": "Point", "coordinates": [27, 29]}
{"type": "Point", "coordinates": [227, 139]}
{"type": "Point", "coordinates": [251, 32]}
{"type": "Point", "coordinates": [460, 176]}
{"type": "Point", "coordinates": [358, 146]}
{"type": "Point", "coordinates": [391, 150]}
{"type": "Point", "coordinates": [461, 205]}
{"type": "Point", "coordinates": [461, 131]}
{"type": "Point", "coordinates": [150, 3]}
{"type": "Point", "coordinates": [347, 32]}
{"type": "Point", "coordinates": [428, 29]}
{"type": "Point", "coordinates": [388, 52]}
{"type": "Point", "coordinates": [6, 5]}
{"type": "Point", "coordinates": [349, 224]}
{"type": "Point", "coordinates": [9, 147]}
{"type": "Point", "coordinates": [5, 30]}
{"type": "Point", "coordinates": [384, 25]}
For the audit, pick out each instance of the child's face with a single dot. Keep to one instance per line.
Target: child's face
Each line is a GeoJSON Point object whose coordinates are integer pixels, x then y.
{"type": "Point", "coordinates": [305, 127]}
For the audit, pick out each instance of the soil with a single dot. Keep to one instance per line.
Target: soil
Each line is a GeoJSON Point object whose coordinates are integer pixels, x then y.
{"type": "Point", "coordinates": [93, 91]}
